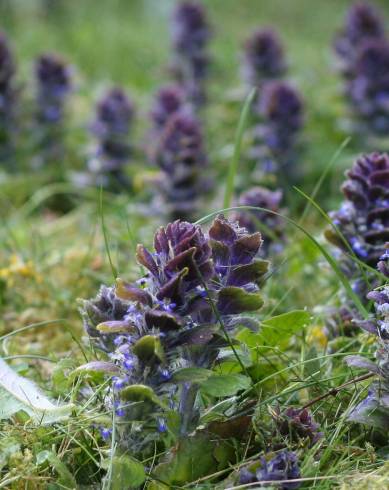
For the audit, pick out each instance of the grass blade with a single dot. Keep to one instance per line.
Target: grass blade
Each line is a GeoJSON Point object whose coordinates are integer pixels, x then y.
{"type": "Point", "coordinates": [229, 192]}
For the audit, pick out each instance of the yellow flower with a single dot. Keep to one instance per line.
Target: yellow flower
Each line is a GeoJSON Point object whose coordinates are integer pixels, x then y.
{"type": "Point", "coordinates": [317, 336]}
{"type": "Point", "coordinates": [18, 267]}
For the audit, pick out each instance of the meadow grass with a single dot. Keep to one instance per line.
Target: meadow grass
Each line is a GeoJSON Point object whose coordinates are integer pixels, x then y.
{"type": "Point", "coordinates": [64, 257]}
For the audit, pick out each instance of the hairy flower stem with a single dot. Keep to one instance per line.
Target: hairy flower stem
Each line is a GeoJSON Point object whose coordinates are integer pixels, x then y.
{"type": "Point", "coordinates": [186, 409]}
{"type": "Point", "coordinates": [220, 321]}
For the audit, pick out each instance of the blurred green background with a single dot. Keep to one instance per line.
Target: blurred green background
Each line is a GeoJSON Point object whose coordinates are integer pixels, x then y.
{"type": "Point", "coordinates": [127, 42]}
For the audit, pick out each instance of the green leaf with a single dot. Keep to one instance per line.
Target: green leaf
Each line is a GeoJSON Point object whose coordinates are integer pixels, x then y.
{"type": "Point", "coordinates": [126, 473]}
{"type": "Point", "coordinates": [225, 384]}
{"type": "Point", "coordinates": [96, 370]}
{"type": "Point", "coordinates": [9, 446]}
{"type": "Point", "coordinates": [141, 393]}
{"type": "Point", "coordinates": [192, 458]}
{"type": "Point", "coordinates": [137, 393]}
{"type": "Point", "coordinates": [194, 375]}
{"type": "Point", "coordinates": [60, 376]}
{"type": "Point", "coordinates": [18, 394]}
{"type": "Point", "coordinates": [65, 479]}
{"type": "Point", "coordinates": [279, 329]}
{"type": "Point", "coordinates": [234, 300]}
{"type": "Point", "coordinates": [148, 348]}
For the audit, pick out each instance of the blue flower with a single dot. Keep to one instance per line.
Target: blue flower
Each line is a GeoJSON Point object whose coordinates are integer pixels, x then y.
{"type": "Point", "coordinates": [284, 466]}
{"type": "Point", "coordinates": [161, 425]}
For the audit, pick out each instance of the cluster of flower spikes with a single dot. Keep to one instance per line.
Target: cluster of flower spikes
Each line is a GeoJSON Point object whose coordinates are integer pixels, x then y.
{"type": "Point", "coordinates": [197, 287]}
{"type": "Point", "coordinates": [280, 111]}
{"type": "Point", "coordinates": [111, 127]}
{"type": "Point", "coordinates": [179, 153]}
{"type": "Point", "coordinates": [263, 58]}
{"type": "Point", "coordinates": [190, 36]}
{"type": "Point", "coordinates": [374, 409]}
{"type": "Point", "coordinates": [278, 468]}
{"type": "Point", "coordinates": [7, 95]}
{"type": "Point", "coordinates": [363, 22]}
{"type": "Point", "coordinates": [271, 226]}
{"type": "Point", "coordinates": [363, 223]}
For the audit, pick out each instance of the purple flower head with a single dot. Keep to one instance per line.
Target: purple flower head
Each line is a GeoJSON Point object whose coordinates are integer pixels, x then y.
{"type": "Point", "coordinates": [182, 260]}
{"type": "Point", "coordinates": [111, 127]}
{"type": "Point", "coordinates": [281, 105]}
{"type": "Point", "coordinates": [252, 220]}
{"type": "Point", "coordinates": [368, 86]}
{"type": "Point", "coordinates": [53, 80]}
{"type": "Point", "coordinates": [168, 101]}
{"type": "Point", "coordinates": [114, 114]}
{"type": "Point", "coordinates": [105, 432]}
{"type": "Point", "coordinates": [373, 60]}
{"type": "Point", "coordinates": [364, 221]}
{"type": "Point", "coordinates": [280, 111]}
{"type": "Point", "coordinates": [362, 22]}
{"type": "Point", "coordinates": [190, 36]}
{"type": "Point", "coordinates": [190, 30]}
{"type": "Point", "coordinates": [263, 57]}
{"type": "Point", "coordinates": [181, 157]}
{"type": "Point", "coordinates": [298, 424]}
{"type": "Point", "coordinates": [283, 466]}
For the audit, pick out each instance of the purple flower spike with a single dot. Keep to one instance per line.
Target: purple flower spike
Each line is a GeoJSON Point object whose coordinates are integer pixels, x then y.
{"type": "Point", "coordinates": [7, 72]}
{"type": "Point", "coordinates": [368, 87]}
{"type": "Point", "coordinates": [363, 222]}
{"type": "Point", "coordinates": [53, 86]}
{"type": "Point", "coordinates": [168, 101]}
{"type": "Point", "coordinates": [7, 97]}
{"type": "Point", "coordinates": [263, 57]}
{"type": "Point", "coordinates": [190, 36]}
{"type": "Point", "coordinates": [171, 317]}
{"type": "Point", "coordinates": [363, 22]}
{"type": "Point", "coordinates": [280, 109]}
{"type": "Point", "coordinates": [363, 219]}
{"type": "Point", "coordinates": [373, 410]}
{"type": "Point", "coordinates": [181, 157]}
{"type": "Point", "coordinates": [270, 225]}
{"type": "Point", "coordinates": [111, 127]}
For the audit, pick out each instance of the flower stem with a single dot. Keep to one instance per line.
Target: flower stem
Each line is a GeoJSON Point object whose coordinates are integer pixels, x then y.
{"type": "Point", "coordinates": [186, 409]}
